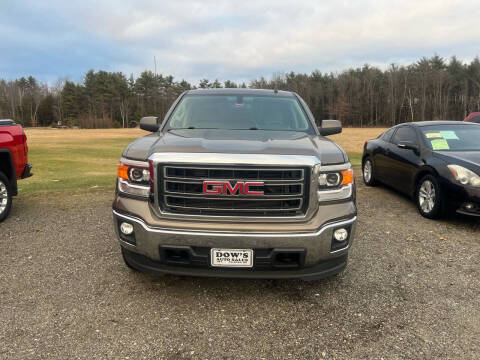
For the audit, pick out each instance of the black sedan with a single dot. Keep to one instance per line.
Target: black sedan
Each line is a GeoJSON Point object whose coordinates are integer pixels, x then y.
{"type": "Point", "coordinates": [437, 163]}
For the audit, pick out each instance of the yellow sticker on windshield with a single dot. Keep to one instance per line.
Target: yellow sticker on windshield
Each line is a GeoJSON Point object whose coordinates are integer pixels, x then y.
{"type": "Point", "coordinates": [439, 144]}
{"type": "Point", "coordinates": [449, 135]}
{"type": "Point", "coordinates": [433, 135]}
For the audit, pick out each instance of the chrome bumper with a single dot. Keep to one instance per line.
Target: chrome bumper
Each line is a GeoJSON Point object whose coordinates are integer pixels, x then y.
{"type": "Point", "coordinates": [317, 244]}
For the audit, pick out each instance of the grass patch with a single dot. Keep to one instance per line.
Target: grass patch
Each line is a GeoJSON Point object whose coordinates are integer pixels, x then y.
{"type": "Point", "coordinates": [83, 160]}
{"type": "Point", "coordinates": [72, 160]}
{"type": "Point", "coordinates": [355, 158]}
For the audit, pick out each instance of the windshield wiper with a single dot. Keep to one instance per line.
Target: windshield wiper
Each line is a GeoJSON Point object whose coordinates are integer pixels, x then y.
{"type": "Point", "coordinates": [255, 128]}
{"type": "Point", "coordinates": [193, 127]}
{"type": "Point", "coordinates": [252, 128]}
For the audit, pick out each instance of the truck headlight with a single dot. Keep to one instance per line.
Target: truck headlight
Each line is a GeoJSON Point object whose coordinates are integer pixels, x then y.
{"type": "Point", "coordinates": [139, 175]}
{"type": "Point", "coordinates": [335, 179]}
{"type": "Point", "coordinates": [335, 185]}
{"type": "Point", "coordinates": [134, 177]}
{"type": "Point", "coordinates": [464, 176]}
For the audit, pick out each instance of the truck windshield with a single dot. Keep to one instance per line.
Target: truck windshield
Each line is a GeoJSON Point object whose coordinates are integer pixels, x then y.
{"type": "Point", "coordinates": [452, 137]}
{"type": "Point", "coordinates": [239, 112]}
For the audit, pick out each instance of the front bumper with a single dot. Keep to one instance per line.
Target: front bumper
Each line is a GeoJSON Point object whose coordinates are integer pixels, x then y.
{"type": "Point", "coordinates": [318, 271]}
{"type": "Point", "coordinates": [464, 199]}
{"type": "Point", "coordinates": [315, 257]}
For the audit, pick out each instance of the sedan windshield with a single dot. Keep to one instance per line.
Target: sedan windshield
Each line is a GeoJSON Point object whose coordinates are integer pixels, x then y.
{"type": "Point", "coordinates": [239, 112]}
{"type": "Point", "coordinates": [452, 137]}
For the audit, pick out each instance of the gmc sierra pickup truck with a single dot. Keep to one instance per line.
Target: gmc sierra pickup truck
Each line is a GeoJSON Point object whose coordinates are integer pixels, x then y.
{"type": "Point", "coordinates": [13, 163]}
{"type": "Point", "coordinates": [236, 183]}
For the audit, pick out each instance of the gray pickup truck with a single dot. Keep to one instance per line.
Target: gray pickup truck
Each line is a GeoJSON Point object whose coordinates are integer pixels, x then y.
{"type": "Point", "coordinates": [236, 183]}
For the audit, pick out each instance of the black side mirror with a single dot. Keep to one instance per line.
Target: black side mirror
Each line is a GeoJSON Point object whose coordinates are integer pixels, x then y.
{"type": "Point", "coordinates": [408, 145]}
{"type": "Point", "coordinates": [149, 123]}
{"type": "Point", "coordinates": [330, 127]}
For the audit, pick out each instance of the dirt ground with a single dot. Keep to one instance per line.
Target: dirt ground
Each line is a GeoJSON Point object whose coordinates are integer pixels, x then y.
{"type": "Point", "coordinates": [411, 291]}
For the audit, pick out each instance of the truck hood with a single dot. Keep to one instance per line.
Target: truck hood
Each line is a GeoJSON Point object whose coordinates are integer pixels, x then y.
{"type": "Point", "coordinates": [237, 141]}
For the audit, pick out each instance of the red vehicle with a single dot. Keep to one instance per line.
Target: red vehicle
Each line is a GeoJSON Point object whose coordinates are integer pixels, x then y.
{"type": "Point", "coordinates": [13, 163]}
{"type": "Point", "coordinates": [473, 117]}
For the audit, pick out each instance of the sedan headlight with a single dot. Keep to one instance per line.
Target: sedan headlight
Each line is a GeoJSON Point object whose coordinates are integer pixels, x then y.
{"type": "Point", "coordinates": [335, 185]}
{"type": "Point", "coordinates": [134, 177]}
{"type": "Point", "coordinates": [464, 176]}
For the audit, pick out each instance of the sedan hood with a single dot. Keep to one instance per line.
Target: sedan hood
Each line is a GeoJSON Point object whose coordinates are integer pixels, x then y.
{"type": "Point", "coordinates": [243, 142]}
{"type": "Point", "coordinates": [468, 159]}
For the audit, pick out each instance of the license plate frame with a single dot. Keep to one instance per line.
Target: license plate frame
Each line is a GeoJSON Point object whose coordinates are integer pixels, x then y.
{"type": "Point", "coordinates": [228, 259]}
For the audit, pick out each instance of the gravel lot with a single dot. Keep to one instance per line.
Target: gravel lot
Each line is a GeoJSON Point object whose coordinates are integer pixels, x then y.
{"type": "Point", "coordinates": [411, 291]}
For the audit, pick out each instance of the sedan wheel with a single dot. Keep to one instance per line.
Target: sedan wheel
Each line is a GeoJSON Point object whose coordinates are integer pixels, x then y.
{"type": "Point", "coordinates": [368, 176]}
{"type": "Point", "coordinates": [426, 196]}
{"type": "Point", "coordinates": [429, 198]}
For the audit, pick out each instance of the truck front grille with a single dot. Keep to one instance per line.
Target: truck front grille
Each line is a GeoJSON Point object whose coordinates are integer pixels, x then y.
{"type": "Point", "coordinates": [285, 191]}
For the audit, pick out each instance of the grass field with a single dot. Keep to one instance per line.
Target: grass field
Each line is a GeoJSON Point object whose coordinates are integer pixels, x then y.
{"type": "Point", "coordinates": [352, 140]}
{"type": "Point", "coordinates": [82, 160]}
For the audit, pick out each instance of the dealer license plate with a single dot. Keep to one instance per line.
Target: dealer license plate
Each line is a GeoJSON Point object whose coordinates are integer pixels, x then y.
{"type": "Point", "coordinates": [231, 257]}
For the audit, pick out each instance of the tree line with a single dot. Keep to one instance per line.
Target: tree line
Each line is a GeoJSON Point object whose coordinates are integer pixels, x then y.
{"type": "Point", "coordinates": [429, 89]}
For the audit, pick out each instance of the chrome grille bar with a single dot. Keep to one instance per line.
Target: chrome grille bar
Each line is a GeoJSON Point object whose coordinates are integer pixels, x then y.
{"type": "Point", "coordinates": [298, 189]}
{"type": "Point", "coordinates": [238, 174]}
{"type": "Point", "coordinates": [299, 203]}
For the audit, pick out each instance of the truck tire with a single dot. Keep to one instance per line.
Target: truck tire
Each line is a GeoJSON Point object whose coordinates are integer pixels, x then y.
{"type": "Point", "coordinates": [5, 197]}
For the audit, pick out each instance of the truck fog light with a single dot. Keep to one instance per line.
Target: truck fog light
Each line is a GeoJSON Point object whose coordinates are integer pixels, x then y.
{"type": "Point", "coordinates": [126, 228]}
{"type": "Point", "coordinates": [469, 206]}
{"type": "Point", "coordinates": [340, 234]}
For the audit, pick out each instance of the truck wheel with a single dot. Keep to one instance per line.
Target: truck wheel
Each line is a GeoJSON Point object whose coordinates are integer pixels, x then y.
{"type": "Point", "coordinates": [429, 198]}
{"type": "Point", "coordinates": [368, 173]}
{"type": "Point", "coordinates": [5, 197]}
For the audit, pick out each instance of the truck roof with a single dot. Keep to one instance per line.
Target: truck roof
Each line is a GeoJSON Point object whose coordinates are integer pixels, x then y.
{"type": "Point", "coordinates": [241, 91]}
{"type": "Point", "coordinates": [4, 122]}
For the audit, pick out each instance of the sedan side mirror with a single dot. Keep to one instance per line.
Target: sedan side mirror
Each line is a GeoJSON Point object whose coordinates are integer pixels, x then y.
{"type": "Point", "coordinates": [330, 127]}
{"type": "Point", "coordinates": [408, 145]}
{"type": "Point", "coordinates": [149, 123]}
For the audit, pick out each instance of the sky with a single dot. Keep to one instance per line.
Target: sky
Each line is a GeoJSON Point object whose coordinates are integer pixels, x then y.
{"type": "Point", "coordinates": [228, 40]}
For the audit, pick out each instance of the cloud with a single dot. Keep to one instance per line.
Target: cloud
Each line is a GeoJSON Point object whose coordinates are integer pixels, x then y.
{"type": "Point", "coordinates": [229, 39]}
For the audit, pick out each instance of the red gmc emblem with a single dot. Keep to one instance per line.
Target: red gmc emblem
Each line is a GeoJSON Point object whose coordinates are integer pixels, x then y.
{"type": "Point", "coordinates": [225, 188]}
